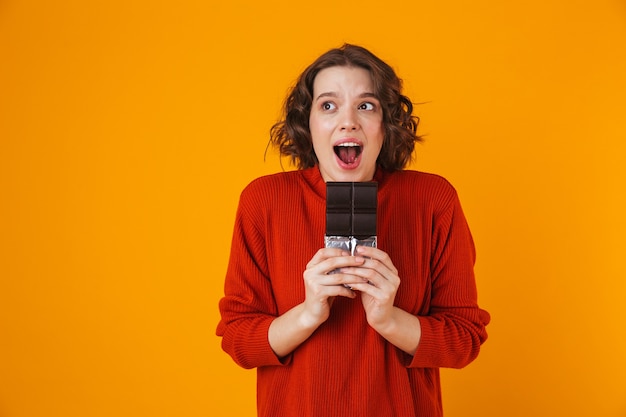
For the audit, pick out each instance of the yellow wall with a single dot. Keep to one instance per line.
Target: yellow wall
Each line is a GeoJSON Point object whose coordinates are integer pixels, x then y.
{"type": "Point", "coordinates": [128, 129]}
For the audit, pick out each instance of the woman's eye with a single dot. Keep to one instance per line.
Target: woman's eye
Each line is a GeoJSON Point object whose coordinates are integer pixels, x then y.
{"type": "Point", "coordinates": [328, 105]}
{"type": "Point", "coordinates": [367, 106]}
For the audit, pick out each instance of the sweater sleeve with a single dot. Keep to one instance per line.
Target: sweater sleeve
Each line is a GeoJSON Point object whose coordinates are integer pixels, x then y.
{"type": "Point", "coordinates": [454, 328]}
{"type": "Point", "coordinates": [248, 308]}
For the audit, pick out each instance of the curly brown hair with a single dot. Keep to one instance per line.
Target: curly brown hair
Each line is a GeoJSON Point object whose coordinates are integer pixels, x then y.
{"type": "Point", "coordinates": [292, 136]}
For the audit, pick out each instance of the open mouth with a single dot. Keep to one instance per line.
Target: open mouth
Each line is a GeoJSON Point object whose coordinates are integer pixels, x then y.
{"type": "Point", "coordinates": [348, 152]}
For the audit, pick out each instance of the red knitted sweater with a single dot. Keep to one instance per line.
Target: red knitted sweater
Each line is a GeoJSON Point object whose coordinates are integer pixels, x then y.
{"type": "Point", "coordinates": [346, 368]}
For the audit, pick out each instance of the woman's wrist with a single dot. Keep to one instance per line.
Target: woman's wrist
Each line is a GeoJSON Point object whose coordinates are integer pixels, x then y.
{"type": "Point", "coordinates": [402, 329]}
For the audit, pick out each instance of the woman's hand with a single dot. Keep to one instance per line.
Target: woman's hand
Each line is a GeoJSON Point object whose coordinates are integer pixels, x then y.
{"type": "Point", "coordinates": [333, 272]}
{"type": "Point", "coordinates": [379, 285]}
{"type": "Point", "coordinates": [380, 282]}
{"type": "Point", "coordinates": [323, 281]}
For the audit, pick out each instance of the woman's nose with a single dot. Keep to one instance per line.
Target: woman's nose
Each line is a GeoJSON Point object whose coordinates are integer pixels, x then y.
{"type": "Point", "coordinates": [349, 121]}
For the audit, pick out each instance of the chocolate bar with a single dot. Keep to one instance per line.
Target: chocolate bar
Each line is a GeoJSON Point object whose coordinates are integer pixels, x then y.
{"type": "Point", "coordinates": [351, 214]}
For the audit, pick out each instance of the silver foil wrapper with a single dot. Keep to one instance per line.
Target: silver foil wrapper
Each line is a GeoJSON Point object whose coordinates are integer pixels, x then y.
{"type": "Point", "coordinates": [348, 243]}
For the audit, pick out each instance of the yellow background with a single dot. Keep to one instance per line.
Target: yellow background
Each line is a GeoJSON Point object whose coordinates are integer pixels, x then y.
{"type": "Point", "coordinates": [129, 128]}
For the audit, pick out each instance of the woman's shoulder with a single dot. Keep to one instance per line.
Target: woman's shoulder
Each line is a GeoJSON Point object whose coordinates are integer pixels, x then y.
{"type": "Point", "coordinates": [280, 179]}
{"type": "Point", "coordinates": [270, 182]}
{"type": "Point", "coordinates": [423, 189]}
{"type": "Point", "coordinates": [271, 186]}
{"type": "Point", "coordinates": [419, 180]}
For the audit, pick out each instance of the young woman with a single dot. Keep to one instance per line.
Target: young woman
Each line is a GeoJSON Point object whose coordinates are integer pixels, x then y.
{"type": "Point", "coordinates": [368, 339]}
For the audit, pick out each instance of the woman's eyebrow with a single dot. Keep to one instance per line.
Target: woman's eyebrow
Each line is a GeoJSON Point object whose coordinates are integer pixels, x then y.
{"type": "Point", "coordinates": [334, 95]}
{"type": "Point", "coordinates": [367, 95]}
{"type": "Point", "coordinates": [328, 94]}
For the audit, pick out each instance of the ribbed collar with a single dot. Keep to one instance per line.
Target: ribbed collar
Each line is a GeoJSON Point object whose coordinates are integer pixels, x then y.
{"type": "Point", "coordinates": [313, 178]}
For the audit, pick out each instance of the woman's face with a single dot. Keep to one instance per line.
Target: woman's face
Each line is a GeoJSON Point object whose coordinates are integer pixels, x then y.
{"type": "Point", "coordinates": [346, 124]}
